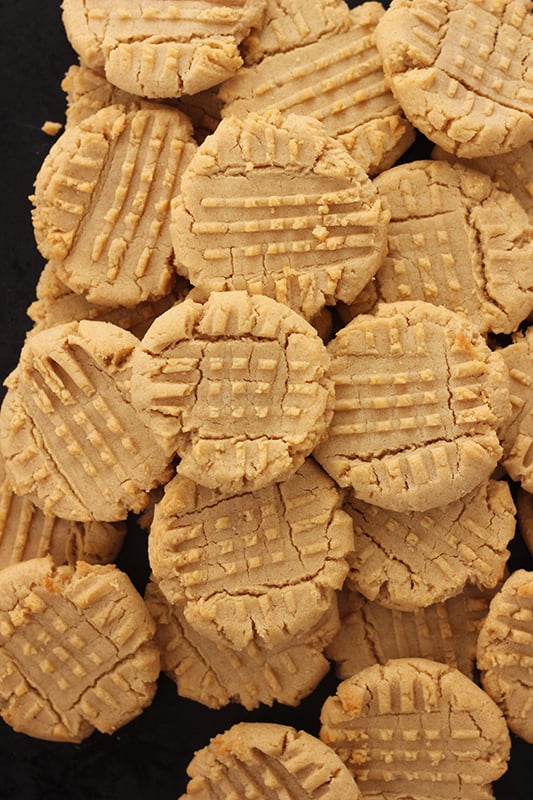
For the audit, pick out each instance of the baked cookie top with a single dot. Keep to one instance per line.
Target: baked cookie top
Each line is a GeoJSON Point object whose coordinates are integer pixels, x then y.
{"type": "Point", "coordinates": [419, 401]}
{"type": "Point", "coordinates": [462, 70]}
{"type": "Point", "coordinates": [158, 49]}
{"type": "Point", "coordinates": [77, 650]}
{"type": "Point", "coordinates": [102, 202]}
{"type": "Point", "coordinates": [238, 387]}
{"type": "Point", "coordinates": [517, 435]}
{"type": "Point", "coordinates": [276, 206]}
{"type": "Point", "coordinates": [456, 239]}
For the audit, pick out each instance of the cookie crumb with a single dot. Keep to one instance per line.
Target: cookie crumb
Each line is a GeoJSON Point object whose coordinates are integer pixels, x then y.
{"type": "Point", "coordinates": [51, 128]}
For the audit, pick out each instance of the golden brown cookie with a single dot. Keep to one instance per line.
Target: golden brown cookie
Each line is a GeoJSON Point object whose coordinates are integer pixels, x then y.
{"type": "Point", "coordinates": [456, 239]}
{"type": "Point", "coordinates": [524, 516]}
{"type": "Point", "coordinates": [517, 436]}
{"type": "Point", "coordinates": [25, 532]}
{"type": "Point", "coordinates": [407, 560]}
{"type": "Point", "coordinates": [215, 675]}
{"type": "Point", "coordinates": [260, 566]}
{"type": "Point", "coordinates": [419, 401]}
{"type": "Point", "coordinates": [238, 387]}
{"type": "Point", "coordinates": [505, 652]}
{"type": "Point", "coordinates": [369, 633]}
{"type": "Point", "coordinates": [268, 761]}
{"type": "Point", "coordinates": [158, 49]}
{"type": "Point", "coordinates": [338, 80]}
{"type": "Point", "coordinates": [102, 202]}
{"type": "Point", "coordinates": [418, 729]}
{"type": "Point", "coordinates": [461, 71]}
{"type": "Point", "coordinates": [77, 650]}
{"type": "Point", "coordinates": [71, 438]}
{"type": "Point", "coordinates": [276, 206]}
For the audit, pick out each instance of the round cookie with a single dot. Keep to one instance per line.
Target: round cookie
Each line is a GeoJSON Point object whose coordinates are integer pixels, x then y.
{"type": "Point", "coordinates": [102, 202]}
{"type": "Point", "coordinates": [25, 532]}
{"type": "Point", "coordinates": [418, 729]}
{"type": "Point", "coordinates": [258, 567]}
{"type": "Point", "coordinates": [369, 633]}
{"type": "Point", "coordinates": [276, 206]}
{"type": "Point", "coordinates": [456, 239]}
{"type": "Point", "coordinates": [338, 80]}
{"type": "Point", "coordinates": [71, 439]}
{"type": "Point", "coordinates": [461, 71]}
{"type": "Point", "coordinates": [77, 650]}
{"type": "Point", "coordinates": [407, 560]}
{"type": "Point", "coordinates": [158, 49]}
{"type": "Point", "coordinates": [419, 400]}
{"type": "Point", "coordinates": [505, 652]}
{"type": "Point", "coordinates": [269, 761]}
{"type": "Point", "coordinates": [215, 675]}
{"type": "Point", "coordinates": [517, 436]}
{"type": "Point", "coordinates": [238, 387]}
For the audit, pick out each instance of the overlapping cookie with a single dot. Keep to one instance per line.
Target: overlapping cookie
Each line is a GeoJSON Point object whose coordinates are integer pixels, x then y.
{"type": "Point", "coordinates": [275, 206]}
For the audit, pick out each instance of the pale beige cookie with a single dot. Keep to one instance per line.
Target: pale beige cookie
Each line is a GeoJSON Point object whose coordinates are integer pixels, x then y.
{"type": "Point", "coordinates": [71, 438]}
{"type": "Point", "coordinates": [277, 207]}
{"type": "Point", "coordinates": [462, 71]}
{"type": "Point", "coordinates": [456, 239]}
{"type": "Point", "coordinates": [517, 436]}
{"type": "Point", "coordinates": [370, 633]}
{"type": "Point", "coordinates": [25, 532]}
{"type": "Point", "coordinates": [215, 675]}
{"type": "Point", "coordinates": [505, 652]}
{"type": "Point", "coordinates": [77, 650]}
{"type": "Point", "coordinates": [102, 202]}
{"type": "Point", "coordinates": [258, 567]}
{"type": "Point", "coordinates": [417, 729]}
{"type": "Point", "coordinates": [238, 386]}
{"type": "Point", "coordinates": [524, 515]}
{"type": "Point", "coordinates": [158, 49]}
{"type": "Point", "coordinates": [407, 560]}
{"type": "Point", "coordinates": [268, 761]}
{"type": "Point", "coordinates": [57, 304]}
{"type": "Point", "coordinates": [337, 80]}
{"type": "Point", "coordinates": [419, 400]}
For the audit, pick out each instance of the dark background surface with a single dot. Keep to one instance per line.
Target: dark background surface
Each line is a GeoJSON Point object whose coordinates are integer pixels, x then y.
{"type": "Point", "coordinates": [146, 759]}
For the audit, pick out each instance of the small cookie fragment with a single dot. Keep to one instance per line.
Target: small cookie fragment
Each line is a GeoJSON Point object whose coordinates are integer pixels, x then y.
{"type": "Point", "coordinates": [418, 729]}
{"type": "Point", "coordinates": [71, 439]}
{"type": "Point", "coordinates": [102, 202]}
{"type": "Point", "coordinates": [461, 71]}
{"type": "Point", "coordinates": [456, 239]}
{"type": "Point", "coordinates": [259, 566]}
{"type": "Point", "coordinates": [369, 633]}
{"type": "Point", "coordinates": [77, 650]}
{"type": "Point", "coordinates": [276, 206]}
{"type": "Point", "coordinates": [517, 435]}
{"type": "Point", "coordinates": [412, 559]}
{"type": "Point", "coordinates": [505, 652]}
{"type": "Point", "coordinates": [237, 386]}
{"type": "Point", "coordinates": [215, 675]}
{"type": "Point", "coordinates": [419, 401]}
{"type": "Point", "coordinates": [270, 760]}
{"type": "Point", "coordinates": [158, 49]}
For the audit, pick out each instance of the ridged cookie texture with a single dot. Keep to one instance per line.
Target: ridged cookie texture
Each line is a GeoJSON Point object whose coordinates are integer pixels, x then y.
{"type": "Point", "coordinates": [268, 761]}
{"type": "Point", "coordinates": [407, 560]}
{"type": "Point", "coordinates": [517, 436]}
{"type": "Point", "coordinates": [215, 675]}
{"type": "Point", "coordinates": [238, 387]}
{"type": "Point", "coordinates": [159, 49]}
{"type": "Point", "coordinates": [370, 633]}
{"type": "Point", "coordinates": [419, 400]}
{"type": "Point", "coordinates": [102, 202]}
{"type": "Point", "coordinates": [77, 650]}
{"type": "Point", "coordinates": [505, 652]}
{"type": "Point", "coordinates": [462, 71]}
{"type": "Point", "coordinates": [276, 206]}
{"type": "Point", "coordinates": [260, 566]}
{"type": "Point", "coordinates": [338, 80]}
{"type": "Point", "coordinates": [418, 729]}
{"type": "Point", "coordinates": [69, 434]}
{"type": "Point", "coordinates": [456, 239]}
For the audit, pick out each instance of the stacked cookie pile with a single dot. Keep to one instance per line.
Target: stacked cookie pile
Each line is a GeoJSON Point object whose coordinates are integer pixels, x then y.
{"type": "Point", "coordinates": [300, 358]}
